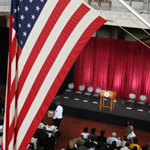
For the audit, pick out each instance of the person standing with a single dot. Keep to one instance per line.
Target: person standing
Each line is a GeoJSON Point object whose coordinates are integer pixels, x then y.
{"type": "Point", "coordinates": [129, 129]}
{"type": "Point", "coordinates": [58, 114]}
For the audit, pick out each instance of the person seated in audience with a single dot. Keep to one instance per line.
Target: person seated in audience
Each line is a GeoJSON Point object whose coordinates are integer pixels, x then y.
{"type": "Point", "coordinates": [51, 127]}
{"type": "Point", "coordinates": [1, 137]}
{"type": "Point", "coordinates": [134, 148]}
{"type": "Point", "coordinates": [92, 140]}
{"type": "Point", "coordinates": [85, 133]}
{"type": "Point", "coordinates": [42, 138]}
{"type": "Point", "coordinates": [126, 147]}
{"type": "Point", "coordinates": [146, 147]}
{"type": "Point", "coordinates": [85, 146]}
{"type": "Point", "coordinates": [79, 141]}
{"type": "Point", "coordinates": [92, 146]}
{"type": "Point", "coordinates": [113, 138]}
{"type": "Point", "coordinates": [34, 142]}
{"type": "Point", "coordinates": [124, 141]}
{"type": "Point", "coordinates": [51, 130]}
{"type": "Point", "coordinates": [135, 143]}
{"type": "Point", "coordinates": [101, 138]}
{"type": "Point", "coordinates": [41, 125]}
{"type": "Point", "coordinates": [92, 135]}
{"type": "Point", "coordinates": [113, 146]}
{"type": "Point", "coordinates": [103, 147]}
{"type": "Point", "coordinates": [71, 145]}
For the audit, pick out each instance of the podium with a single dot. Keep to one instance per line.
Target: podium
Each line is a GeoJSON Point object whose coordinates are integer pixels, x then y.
{"type": "Point", "coordinates": [107, 94]}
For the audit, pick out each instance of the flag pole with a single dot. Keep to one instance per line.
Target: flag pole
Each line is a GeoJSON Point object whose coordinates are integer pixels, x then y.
{"type": "Point", "coordinates": [135, 13]}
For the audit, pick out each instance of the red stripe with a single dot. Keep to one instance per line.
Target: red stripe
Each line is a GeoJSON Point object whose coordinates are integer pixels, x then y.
{"type": "Point", "coordinates": [18, 52]}
{"type": "Point", "coordinates": [74, 20]}
{"type": "Point", "coordinates": [10, 88]}
{"type": "Point", "coordinates": [59, 79]}
{"type": "Point", "coordinates": [40, 41]}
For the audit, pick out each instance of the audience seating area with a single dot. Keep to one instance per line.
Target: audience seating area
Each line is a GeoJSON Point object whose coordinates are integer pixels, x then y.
{"type": "Point", "coordinates": [94, 141]}
{"type": "Point", "coordinates": [90, 136]}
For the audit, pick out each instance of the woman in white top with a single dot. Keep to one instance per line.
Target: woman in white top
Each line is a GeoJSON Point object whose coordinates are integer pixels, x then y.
{"type": "Point", "coordinates": [50, 130]}
{"type": "Point", "coordinates": [50, 127]}
{"type": "Point", "coordinates": [85, 133]}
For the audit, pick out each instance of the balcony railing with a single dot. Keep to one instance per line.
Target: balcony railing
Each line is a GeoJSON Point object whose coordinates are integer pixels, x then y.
{"type": "Point", "coordinates": [5, 2]}
{"type": "Point", "coordinates": [5, 6]}
{"type": "Point", "coordinates": [141, 6]}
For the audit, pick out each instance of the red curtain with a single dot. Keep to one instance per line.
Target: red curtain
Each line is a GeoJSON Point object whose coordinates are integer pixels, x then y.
{"type": "Point", "coordinates": [116, 65]}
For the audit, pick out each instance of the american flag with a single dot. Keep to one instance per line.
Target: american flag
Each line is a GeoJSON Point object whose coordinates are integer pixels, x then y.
{"type": "Point", "coordinates": [46, 37]}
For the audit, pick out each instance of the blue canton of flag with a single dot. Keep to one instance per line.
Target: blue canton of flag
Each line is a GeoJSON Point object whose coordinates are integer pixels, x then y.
{"type": "Point", "coordinates": [25, 13]}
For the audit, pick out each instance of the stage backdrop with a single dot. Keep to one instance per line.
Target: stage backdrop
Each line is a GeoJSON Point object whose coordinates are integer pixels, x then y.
{"type": "Point", "coordinates": [117, 65]}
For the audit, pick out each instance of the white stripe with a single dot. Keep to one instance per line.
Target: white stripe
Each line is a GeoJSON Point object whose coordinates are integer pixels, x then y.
{"type": "Point", "coordinates": [45, 51]}
{"type": "Point", "coordinates": [40, 23]}
{"type": "Point", "coordinates": [12, 111]}
{"type": "Point", "coordinates": [13, 68]}
{"type": "Point", "coordinates": [12, 105]}
{"type": "Point", "coordinates": [10, 147]}
{"type": "Point", "coordinates": [13, 33]}
{"type": "Point", "coordinates": [80, 28]}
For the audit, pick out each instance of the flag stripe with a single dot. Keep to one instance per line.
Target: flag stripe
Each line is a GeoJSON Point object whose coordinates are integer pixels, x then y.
{"type": "Point", "coordinates": [44, 53]}
{"type": "Point", "coordinates": [53, 73]}
{"type": "Point", "coordinates": [7, 103]}
{"type": "Point", "coordinates": [38, 45]}
{"type": "Point", "coordinates": [39, 113]}
{"type": "Point", "coordinates": [36, 50]}
{"type": "Point", "coordinates": [11, 91]}
{"type": "Point", "coordinates": [40, 23]}
{"type": "Point", "coordinates": [49, 61]}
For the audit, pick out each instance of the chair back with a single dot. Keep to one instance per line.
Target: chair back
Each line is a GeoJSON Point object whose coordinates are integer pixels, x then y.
{"type": "Point", "coordinates": [98, 90]}
{"type": "Point", "coordinates": [143, 98]}
{"type": "Point", "coordinates": [81, 88]}
{"type": "Point", "coordinates": [71, 86]}
{"type": "Point", "coordinates": [90, 89]}
{"type": "Point", "coordinates": [132, 96]}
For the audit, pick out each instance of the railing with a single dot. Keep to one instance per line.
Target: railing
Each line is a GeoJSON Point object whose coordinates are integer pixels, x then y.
{"type": "Point", "coordinates": [5, 2]}
{"type": "Point", "coordinates": [5, 6]}
{"type": "Point", "coordinates": [141, 6]}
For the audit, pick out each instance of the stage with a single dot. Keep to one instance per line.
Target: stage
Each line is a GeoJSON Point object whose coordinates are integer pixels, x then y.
{"type": "Point", "coordinates": [88, 108]}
